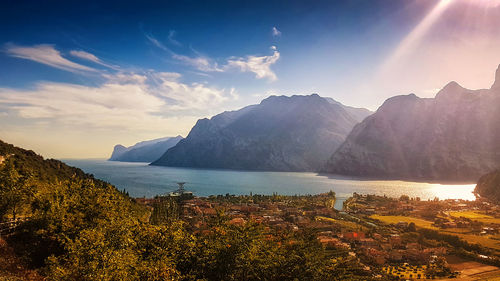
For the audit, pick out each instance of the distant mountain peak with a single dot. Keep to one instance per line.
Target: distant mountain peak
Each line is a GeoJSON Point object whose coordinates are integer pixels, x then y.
{"type": "Point", "coordinates": [398, 100]}
{"type": "Point", "coordinates": [496, 84]}
{"type": "Point", "coordinates": [118, 150]}
{"type": "Point", "coordinates": [282, 133]}
{"type": "Point", "coordinates": [451, 90]}
{"type": "Point", "coordinates": [448, 138]}
{"type": "Point", "coordinates": [144, 151]}
{"type": "Point", "coordinates": [275, 98]}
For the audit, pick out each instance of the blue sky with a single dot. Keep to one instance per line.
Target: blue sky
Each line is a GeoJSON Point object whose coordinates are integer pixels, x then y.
{"type": "Point", "coordinates": [77, 78]}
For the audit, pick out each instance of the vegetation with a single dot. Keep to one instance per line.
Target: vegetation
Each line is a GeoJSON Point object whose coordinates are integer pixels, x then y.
{"type": "Point", "coordinates": [484, 241]}
{"type": "Point", "coordinates": [429, 271]}
{"type": "Point", "coordinates": [489, 186]}
{"type": "Point", "coordinates": [303, 201]}
{"type": "Point", "coordinates": [395, 219]}
{"type": "Point", "coordinates": [81, 228]}
{"type": "Point", "coordinates": [476, 216]}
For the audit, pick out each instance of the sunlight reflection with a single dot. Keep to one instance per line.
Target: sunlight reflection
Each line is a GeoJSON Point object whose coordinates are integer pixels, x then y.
{"type": "Point", "coordinates": [409, 42]}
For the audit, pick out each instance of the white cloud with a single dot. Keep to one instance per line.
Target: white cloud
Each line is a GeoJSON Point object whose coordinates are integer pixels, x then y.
{"type": "Point", "coordinates": [130, 102]}
{"type": "Point", "coordinates": [85, 55]}
{"type": "Point", "coordinates": [276, 32]}
{"type": "Point", "coordinates": [46, 54]}
{"type": "Point", "coordinates": [260, 65]}
{"type": "Point", "coordinates": [234, 94]}
{"type": "Point", "coordinates": [171, 39]}
{"type": "Point", "coordinates": [126, 78]}
{"type": "Point", "coordinates": [200, 63]}
{"type": "Point", "coordinates": [90, 57]}
{"type": "Point", "coordinates": [157, 43]}
{"type": "Point", "coordinates": [195, 96]}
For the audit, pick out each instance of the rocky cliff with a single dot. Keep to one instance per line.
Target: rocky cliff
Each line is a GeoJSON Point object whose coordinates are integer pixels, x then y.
{"type": "Point", "coordinates": [146, 151]}
{"type": "Point", "coordinates": [453, 137]}
{"type": "Point", "coordinates": [281, 133]}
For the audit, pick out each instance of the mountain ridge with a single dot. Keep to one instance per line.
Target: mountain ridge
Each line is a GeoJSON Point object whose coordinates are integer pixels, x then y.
{"type": "Point", "coordinates": [279, 134]}
{"type": "Point", "coordinates": [450, 137]}
{"type": "Point", "coordinates": [144, 151]}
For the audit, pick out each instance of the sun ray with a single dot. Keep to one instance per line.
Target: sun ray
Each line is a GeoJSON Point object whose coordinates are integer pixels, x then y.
{"type": "Point", "coordinates": [411, 40]}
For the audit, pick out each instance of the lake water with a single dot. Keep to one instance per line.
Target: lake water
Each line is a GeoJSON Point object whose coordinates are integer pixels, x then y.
{"type": "Point", "coordinates": [140, 179]}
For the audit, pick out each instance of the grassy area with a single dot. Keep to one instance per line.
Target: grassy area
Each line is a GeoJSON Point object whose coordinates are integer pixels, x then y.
{"type": "Point", "coordinates": [347, 224]}
{"type": "Point", "coordinates": [485, 241]}
{"type": "Point", "coordinates": [406, 271]}
{"type": "Point", "coordinates": [470, 215]}
{"type": "Point", "coordinates": [472, 270]}
{"type": "Point", "coordinates": [395, 219]}
{"type": "Point", "coordinates": [475, 215]}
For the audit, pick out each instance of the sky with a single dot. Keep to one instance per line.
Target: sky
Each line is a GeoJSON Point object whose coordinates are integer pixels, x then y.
{"type": "Point", "coordinates": [78, 77]}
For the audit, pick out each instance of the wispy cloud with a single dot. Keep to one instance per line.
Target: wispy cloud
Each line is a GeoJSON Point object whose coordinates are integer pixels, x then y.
{"type": "Point", "coordinates": [126, 101]}
{"type": "Point", "coordinates": [275, 32]}
{"type": "Point", "coordinates": [157, 43]}
{"type": "Point", "coordinates": [200, 63]}
{"type": "Point", "coordinates": [90, 57]}
{"type": "Point", "coordinates": [260, 65]}
{"type": "Point", "coordinates": [46, 54]}
{"type": "Point", "coordinates": [172, 40]}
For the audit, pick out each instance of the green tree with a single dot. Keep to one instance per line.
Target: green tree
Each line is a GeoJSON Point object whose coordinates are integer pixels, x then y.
{"type": "Point", "coordinates": [15, 189]}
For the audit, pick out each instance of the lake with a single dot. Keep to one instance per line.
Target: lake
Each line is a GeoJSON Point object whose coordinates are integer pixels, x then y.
{"type": "Point", "coordinates": [140, 179]}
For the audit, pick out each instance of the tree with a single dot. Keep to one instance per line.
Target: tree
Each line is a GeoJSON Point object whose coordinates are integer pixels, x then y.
{"type": "Point", "coordinates": [411, 227]}
{"type": "Point", "coordinates": [15, 189]}
{"type": "Point", "coordinates": [404, 198]}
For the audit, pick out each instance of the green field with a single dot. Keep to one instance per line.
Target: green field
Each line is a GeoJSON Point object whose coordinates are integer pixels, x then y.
{"type": "Point", "coordinates": [406, 271]}
{"type": "Point", "coordinates": [395, 219]}
{"type": "Point", "coordinates": [347, 224]}
{"type": "Point", "coordinates": [475, 215]}
{"type": "Point", "coordinates": [485, 241]}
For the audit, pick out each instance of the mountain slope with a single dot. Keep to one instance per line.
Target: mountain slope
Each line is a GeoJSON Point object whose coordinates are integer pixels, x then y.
{"type": "Point", "coordinates": [489, 186]}
{"type": "Point", "coordinates": [44, 170]}
{"type": "Point", "coordinates": [146, 151]}
{"type": "Point", "coordinates": [281, 133]}
{"type": "Point", "coordinates": [452, 137]}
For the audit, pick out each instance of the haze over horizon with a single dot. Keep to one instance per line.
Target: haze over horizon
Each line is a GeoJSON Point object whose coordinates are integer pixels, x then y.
{"type": "Point", "coordinates": [77, 79]}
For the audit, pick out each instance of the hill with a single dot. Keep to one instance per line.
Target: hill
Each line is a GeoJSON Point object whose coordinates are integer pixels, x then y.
{"type": "Point", "coordinates": [145, 151]}
{"type": "Point", "coordinates": [295, 133]}
{"type": "Point", "coordinates": [452, 137]}
{"type": "Point", "coordinates": [488, 186]}
{"type": "Point", "coordinates": [76, 227]}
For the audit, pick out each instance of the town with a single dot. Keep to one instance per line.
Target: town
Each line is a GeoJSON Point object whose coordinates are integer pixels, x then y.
{"type": "Point", "coordinates": [393, 238]}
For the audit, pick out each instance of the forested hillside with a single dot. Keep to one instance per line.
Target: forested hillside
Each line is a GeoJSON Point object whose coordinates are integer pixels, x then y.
{"type": "Point", "coordinates": [488, 186]}
{"type": "Point", "coordinates": [81, 228]}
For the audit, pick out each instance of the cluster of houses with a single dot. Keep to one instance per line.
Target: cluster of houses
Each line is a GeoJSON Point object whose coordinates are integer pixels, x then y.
{"type": "Point", "coordinates": [347, 231]}
{"type": "Point", "coordinates": [278, 216]}
{"type": "Point", "coordinates": [381, 249]}
{"type": "Point", "coordinates": [436, 211]}
{"type": "Point", "coordinates": [376, 248]}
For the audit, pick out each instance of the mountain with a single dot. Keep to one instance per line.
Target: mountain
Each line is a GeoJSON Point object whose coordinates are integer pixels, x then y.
{"type": "Point", "coordinates": [452, 137]}
{"type": "Point", "coordinates": [295, 133]}
{"type": "Point", "coordinates": [28, 162]}
{"type": "Point", "coordinates": [488, 186]}
{"type": "Point", "coordinates": [146, 151]}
